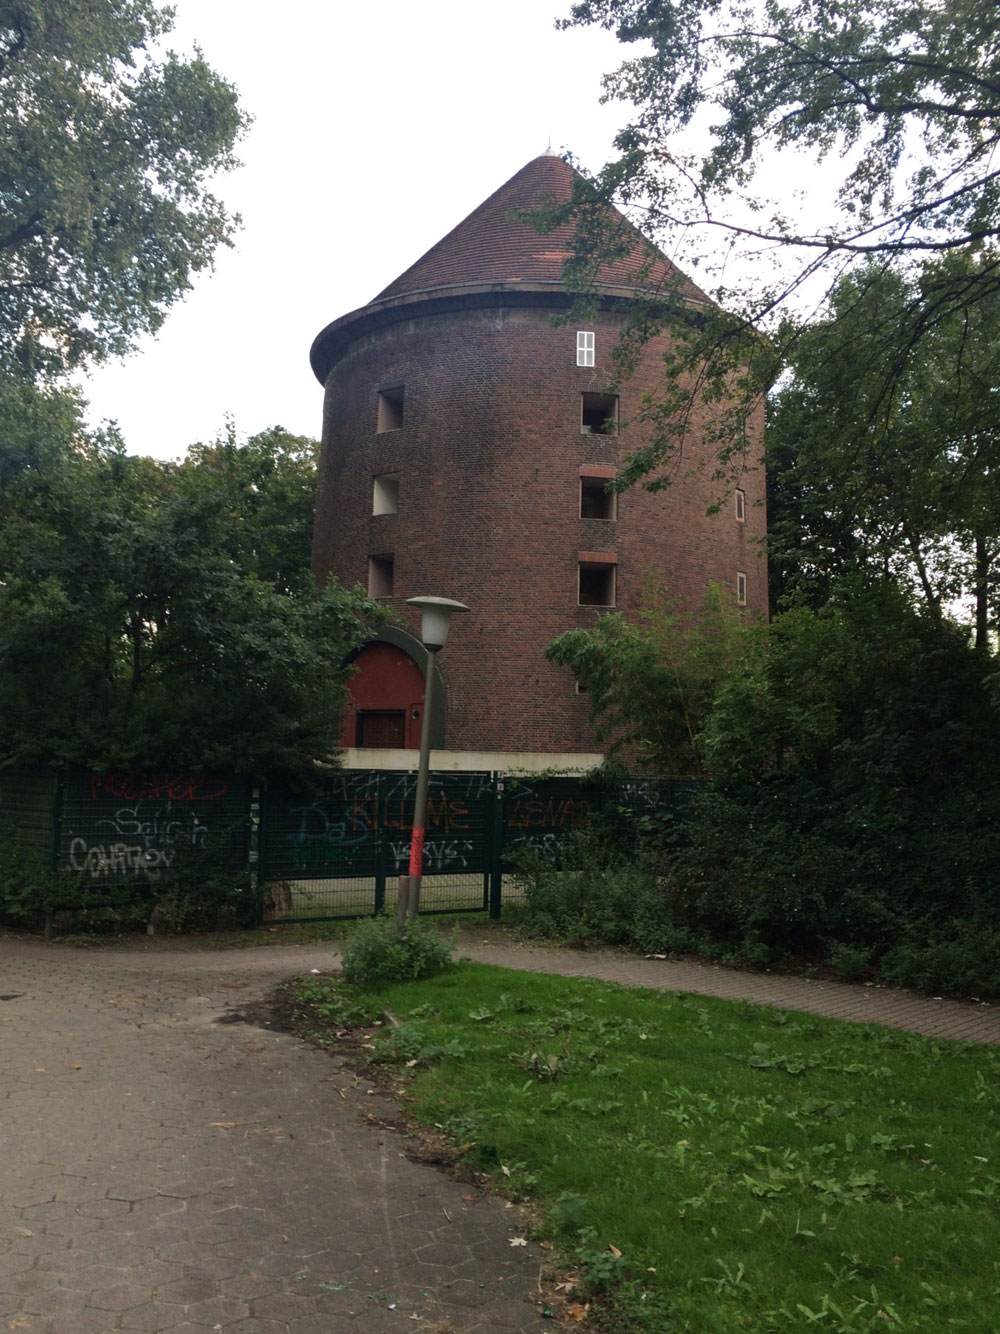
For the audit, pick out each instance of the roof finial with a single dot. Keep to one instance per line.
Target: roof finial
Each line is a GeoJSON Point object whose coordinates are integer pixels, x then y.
{"type": "Point", "coordinates": [548, 151]}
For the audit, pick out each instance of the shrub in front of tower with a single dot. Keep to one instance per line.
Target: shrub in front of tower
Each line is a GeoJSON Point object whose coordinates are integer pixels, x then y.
{"type": "Point", "coordinates": [377, 952]}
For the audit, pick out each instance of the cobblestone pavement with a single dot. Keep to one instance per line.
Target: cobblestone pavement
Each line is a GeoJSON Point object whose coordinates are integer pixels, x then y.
{"type": "Point", "coordinates": [967, 1021]}
{"type": "Point", "coordinates": [160, 1170]}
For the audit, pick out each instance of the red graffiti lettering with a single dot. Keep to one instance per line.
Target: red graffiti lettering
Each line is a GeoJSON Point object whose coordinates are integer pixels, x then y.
{"type": "Point", "coordinates": [158, 787]}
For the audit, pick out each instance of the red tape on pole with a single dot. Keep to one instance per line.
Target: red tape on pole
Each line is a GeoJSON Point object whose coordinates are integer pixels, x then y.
{"type": "Point", "coordinates": [417, 852]}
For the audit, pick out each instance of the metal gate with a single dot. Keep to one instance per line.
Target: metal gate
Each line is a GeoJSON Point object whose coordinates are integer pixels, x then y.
{"type": "Point", "coordinates": [336, 849]}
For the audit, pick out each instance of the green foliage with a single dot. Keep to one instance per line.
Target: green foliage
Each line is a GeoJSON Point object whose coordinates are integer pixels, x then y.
{"type": "Point", "coordinates": [600, 894]}
{"type": "Point", "coordinates": [704, 1165]}
{"type": "Point", "coordinates": [28, 888]}
{"type": "Point", "coordinates": [197, 892]}
{"type": "Point", "coordinates": [853, 756]}
{"type": "Point", "coordinates": [109, 145]}
{"type": "Point", "coordinates": [155, 613]}
{"type": "Point", "coordinates": [376, 952]}
{"type": "Point", "coordinates": [865, 480]}
{"type": "Point", "coordinates": [860, 82]}
{"type": "Point", "coordinates": [896, 100]}
{"type": "Point", "coordinates": [650, 687]}
{"type": "Point", "coordinates": [267, 485]}
{"type": "Point", "coordinates": [322, 1005]}
{"type": "Point", "coordinates": [871, 828]}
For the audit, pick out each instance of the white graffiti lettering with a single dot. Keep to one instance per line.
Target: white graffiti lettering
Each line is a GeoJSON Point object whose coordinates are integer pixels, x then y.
{"type": "Point", "coordinates": [99, 860]}
{"type": "Point", "coordinates": [156, 826]}
{"type": "Point", "coordinates": [440, 855]}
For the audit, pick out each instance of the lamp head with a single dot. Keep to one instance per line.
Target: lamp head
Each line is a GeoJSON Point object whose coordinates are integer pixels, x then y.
{"type": "Point", "coordinates": [435, 617]}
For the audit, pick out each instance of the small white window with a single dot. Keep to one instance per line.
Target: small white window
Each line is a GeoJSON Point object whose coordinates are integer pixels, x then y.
{"type": "Point", "coordinates": [741, 506]}
{"type": "Point", "coordinates": [390, 409]}
{"type": "Point", "coordinates": [741, 588]}
{"type": "Point", "coordinates": [385, 493]}
{"type": "Point", "coordinates": [584, 349]}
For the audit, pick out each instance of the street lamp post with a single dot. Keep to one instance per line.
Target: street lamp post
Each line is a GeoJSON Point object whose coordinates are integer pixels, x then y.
{"type": "Point", "coordinates": [435, 617]}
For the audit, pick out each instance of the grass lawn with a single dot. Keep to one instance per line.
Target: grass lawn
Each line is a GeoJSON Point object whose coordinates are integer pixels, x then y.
{"type": "Point", "coordinates": [703, 1165]}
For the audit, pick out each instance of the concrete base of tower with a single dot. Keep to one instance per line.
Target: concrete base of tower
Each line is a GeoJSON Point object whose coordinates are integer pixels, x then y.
{"type": "Point", "coordinates": [474, 761]}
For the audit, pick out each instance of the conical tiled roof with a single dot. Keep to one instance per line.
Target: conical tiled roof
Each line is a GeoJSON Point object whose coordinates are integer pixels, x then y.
{"type": "Point", "coordinates": [490, 247]}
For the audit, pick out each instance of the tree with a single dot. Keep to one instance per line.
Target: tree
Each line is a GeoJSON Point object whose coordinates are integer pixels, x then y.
{"type": "Point", "coordinates": [884, 461]}
{"type": "Point", "coordinates": [899, 98]}
{"type": "Point", "coordinates": [138, 626]}
{"type": "Point", "coordinates": [908, 90]}
{"type": "Point", "coordinates": [108, 145]}
{"type": "Point", "coordinates": [269, 482]}
{"type": "Point", "coordinates": [651, 687]}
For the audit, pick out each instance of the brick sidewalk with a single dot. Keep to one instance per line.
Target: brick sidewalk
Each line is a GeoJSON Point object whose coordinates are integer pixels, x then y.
{"type": "Point", "coordinates": [966, 1021]}
{"type": "Point", "coordinates": [162, 1171]}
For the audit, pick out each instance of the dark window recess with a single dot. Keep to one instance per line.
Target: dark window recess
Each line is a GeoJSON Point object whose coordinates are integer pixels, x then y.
{"type": "Point", "coordinates": [390, 409]}
{"type": "Point", "coordinates": [595, 501]}
{"type": "Point", "coordinates": [381, 729]}
{"type": "Point", "coordinates": [600, 414]}
{"type": "Point", "coordinates": [381, 570]}
{"type": "Point", "coordinates": [597, 585]}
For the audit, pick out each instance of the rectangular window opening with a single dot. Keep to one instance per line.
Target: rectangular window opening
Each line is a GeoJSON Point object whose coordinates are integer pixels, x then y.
{"type": "Point", "coordinates": [584, 348]}
{"type": "Point", "coordinates": [380, 576]}
{"type": "Point", "coordinates": [597, 584]}
{"type": "Point", "coordinates": [599, 414]}
{"type": "Point", "coordinates": [741, 588]}
{"type": "Point", "coordinates": [390, 409]}
{"type": "Point", "coordinates": [596, 502]}
{"type": "Point", "coordinates": [385, 493]}
{"type": "Point", "coordinates": [741, 506]}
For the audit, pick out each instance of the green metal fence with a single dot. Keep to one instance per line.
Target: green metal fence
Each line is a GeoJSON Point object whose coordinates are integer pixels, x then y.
{"type": "Point", "coordinates": [327, 850]}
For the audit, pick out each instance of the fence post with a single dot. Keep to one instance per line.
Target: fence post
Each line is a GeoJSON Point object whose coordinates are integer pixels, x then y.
{"type": "Point", "coordinates": [379, 848]}
{"type": "Point", "coordinates": [496, 852]}
{"type": "Point", "coordinates": [56, 840]}
{"type": "Point", "coordinates": [255, 848]}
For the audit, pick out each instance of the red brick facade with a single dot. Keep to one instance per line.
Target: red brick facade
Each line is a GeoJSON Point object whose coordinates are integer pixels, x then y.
{"type": "Point", "coordinates": [490, 449]}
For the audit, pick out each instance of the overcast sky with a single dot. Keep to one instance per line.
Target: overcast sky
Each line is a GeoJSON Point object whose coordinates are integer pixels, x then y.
{"type": "Point", "coordinates": [376, 129]}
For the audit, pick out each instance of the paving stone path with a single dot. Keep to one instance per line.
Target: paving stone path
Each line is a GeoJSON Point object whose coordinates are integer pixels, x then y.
{"type": "Point", "coordinates": [163, 1171]}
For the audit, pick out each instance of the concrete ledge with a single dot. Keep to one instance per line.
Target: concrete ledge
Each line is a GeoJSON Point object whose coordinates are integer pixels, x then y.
{"type": "Point", "coordinates": [474, 761]}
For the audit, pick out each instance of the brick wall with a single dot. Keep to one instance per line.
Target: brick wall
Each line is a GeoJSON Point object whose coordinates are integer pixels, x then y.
{"type": "Point", "coordinates": [489, 457]}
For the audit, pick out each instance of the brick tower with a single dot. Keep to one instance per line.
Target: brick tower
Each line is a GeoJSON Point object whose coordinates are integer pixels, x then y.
{"type": "Point", "coordinates": [467, 441]}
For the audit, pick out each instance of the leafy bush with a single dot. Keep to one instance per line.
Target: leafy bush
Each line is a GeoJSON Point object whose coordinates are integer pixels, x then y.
{"type": "Point", "coordinates": [28, 890]}
{"type": "Point", "coordinates": [197, 892]}
{"type": "Point", "coordinates": [377, 952]}
{"type": "Point", "coordinates": [605, 898]}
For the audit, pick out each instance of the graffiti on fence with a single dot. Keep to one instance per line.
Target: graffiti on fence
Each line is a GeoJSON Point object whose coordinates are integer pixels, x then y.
{"type": "Point", "coordinates": [399, 787]}
{"type": "Point", "coordinates": [342, 829]}
{"type": "Point", "coordinates": [156, 826]}
{"type": "Point", "coordinates": [102, 860]}
{"type": "Point", "coordinates": [158, 787]}
{"type": "Point", "coordinates": [129, 826]}
{"type": "Point", "coordinates": [546, 845]}
{"type": "Point", "coordinates": [321, 835]}
{"type": "Point", "coordinates": [442, 856]}
{"type": "Point", "coordinates": [554, 813]}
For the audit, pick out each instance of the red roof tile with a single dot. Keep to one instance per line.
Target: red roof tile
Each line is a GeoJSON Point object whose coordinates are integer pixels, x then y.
{"type": "Point", "coordinates": [489, 246]}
